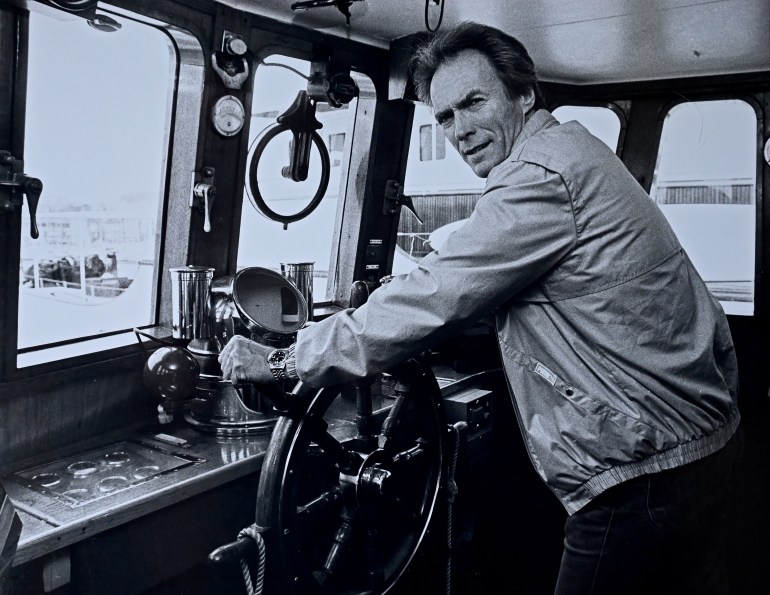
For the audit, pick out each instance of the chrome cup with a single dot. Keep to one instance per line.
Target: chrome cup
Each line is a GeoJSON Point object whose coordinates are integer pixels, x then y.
{"type": "Point", "coordinates": [301, 274]}
{"type": "Point", "coordinates": [190, 288]}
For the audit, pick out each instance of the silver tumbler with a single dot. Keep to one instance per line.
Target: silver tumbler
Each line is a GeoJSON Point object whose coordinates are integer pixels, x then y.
{"type": "Point", "coordinates": [190, 287]}
{"type": "Point", "coordinates": [301, 274]}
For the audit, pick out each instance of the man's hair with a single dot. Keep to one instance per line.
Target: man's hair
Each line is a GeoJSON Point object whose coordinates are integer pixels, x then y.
{"type": "Point", "coordinates": [507, 54]}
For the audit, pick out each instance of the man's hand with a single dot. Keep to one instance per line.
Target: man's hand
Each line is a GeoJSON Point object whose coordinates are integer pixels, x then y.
{"type": "Point", "coordinates": [243, 360]}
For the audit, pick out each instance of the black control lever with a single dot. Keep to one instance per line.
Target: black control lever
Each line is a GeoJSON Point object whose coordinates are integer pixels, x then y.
{"type": "Point", "coordinates": [359, 294]}
{"type": "Point", "coordinates": [300, 119]}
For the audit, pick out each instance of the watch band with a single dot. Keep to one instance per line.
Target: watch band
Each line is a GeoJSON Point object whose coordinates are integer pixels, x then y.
{"type": "Point", "coordinates": [276, 361]}
{"type": "Point", "coordinates": [282, 363]}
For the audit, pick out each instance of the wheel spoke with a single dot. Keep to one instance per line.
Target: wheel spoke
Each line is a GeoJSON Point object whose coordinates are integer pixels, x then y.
{"type": "Point", "coordinates": [344, 458]}
{"type": "Point", "coordinates": [405, 456]}
{"type": "Point", "coordinates": [336, 552]}
{"type": "Point", "coordinates": [323, 504]}
{"type": "Point", "coordinates": [393, 420]}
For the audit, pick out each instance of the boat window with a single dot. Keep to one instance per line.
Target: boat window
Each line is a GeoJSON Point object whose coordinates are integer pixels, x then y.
{"type": "Point", "coordinates": [705, 184]}
{"type": "Point", "coordinates": [267, 243]}
{"type": "Point", "coordinates": [602, 122]}
{"type": "Point", "coordinates": [97, 131]}
{"type": "Point", "coordinates": [443, 188]}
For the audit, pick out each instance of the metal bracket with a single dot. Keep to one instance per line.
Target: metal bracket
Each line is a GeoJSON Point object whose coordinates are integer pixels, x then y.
{"type": "Point", "coordinates": [203, 194]}
{"type": "Point", "coordinates": [230, 62]}
{"type": "Point", "coordinates": [331, 84]}
{"type": "Point", "coordinates": [395, 199]}
{"type": "Point", "coordinates": [12, 177]}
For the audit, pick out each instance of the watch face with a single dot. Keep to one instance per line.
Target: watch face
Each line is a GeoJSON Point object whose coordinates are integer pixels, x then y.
{"type": "Point", "coordinates": [228, 115]}
{"type": "Point", "coordinates": [277, 357]}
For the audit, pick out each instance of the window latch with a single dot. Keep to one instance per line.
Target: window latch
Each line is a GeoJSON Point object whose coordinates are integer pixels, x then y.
{"type": "Point", "coordinates": [203, 194]}
{"type": "Point", "coordinates": [13, 179]}
{"type": "Point", "coordinates": [395, 199]}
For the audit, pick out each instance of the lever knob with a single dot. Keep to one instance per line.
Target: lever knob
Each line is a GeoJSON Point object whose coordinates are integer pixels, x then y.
{"type": "Point", "coordinates": [359, 293]}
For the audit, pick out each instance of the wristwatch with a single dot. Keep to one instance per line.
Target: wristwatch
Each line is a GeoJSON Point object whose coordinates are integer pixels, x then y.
{"type": "Point", "coordinates": [277, 362]}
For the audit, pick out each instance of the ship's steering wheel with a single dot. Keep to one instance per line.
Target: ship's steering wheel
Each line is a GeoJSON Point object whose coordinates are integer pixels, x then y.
{"type": "Point", "coordinates": [343, 505]}
{"type": "Point", "coordinates": [345, 501]}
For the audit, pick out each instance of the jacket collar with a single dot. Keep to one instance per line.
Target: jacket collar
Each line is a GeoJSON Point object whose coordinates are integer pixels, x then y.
{"type": "Point", "coordinates": [536, 122]}
{"type": "Point", "coordinates": [539, 120]}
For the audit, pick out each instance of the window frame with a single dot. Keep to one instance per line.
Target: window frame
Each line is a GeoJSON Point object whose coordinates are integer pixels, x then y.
{"type": "Point", "coordinates": [761, 309]}
{"type": "Point", "coordinates": [174, 210]}
{"type": "Point", "coordinates": [619, 108]}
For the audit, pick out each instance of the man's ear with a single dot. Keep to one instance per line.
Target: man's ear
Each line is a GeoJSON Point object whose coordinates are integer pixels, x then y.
{"type": "Point", "coordinates": [528, 100]}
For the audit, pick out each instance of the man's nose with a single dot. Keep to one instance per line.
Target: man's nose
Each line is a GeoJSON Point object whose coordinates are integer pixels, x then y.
{"type": "Point", "coordinates": [463, 127]}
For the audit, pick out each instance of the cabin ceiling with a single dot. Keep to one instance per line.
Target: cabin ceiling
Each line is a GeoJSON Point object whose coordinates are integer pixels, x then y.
{"type": "Point", "coordinates": [574, 41]}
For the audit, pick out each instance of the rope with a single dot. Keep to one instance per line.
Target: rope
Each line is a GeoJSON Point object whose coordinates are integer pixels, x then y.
{"type": "Point", "coordinates": [253, 587]}
{"type": "Point", "coordinates": [454, 431]}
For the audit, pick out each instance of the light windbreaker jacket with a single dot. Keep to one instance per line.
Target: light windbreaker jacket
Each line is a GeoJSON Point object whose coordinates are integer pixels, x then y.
{"type": "Point", "coordinates": [619, 360]}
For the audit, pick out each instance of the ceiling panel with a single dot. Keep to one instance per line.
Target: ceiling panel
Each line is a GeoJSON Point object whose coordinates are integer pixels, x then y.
{"type": "Point", "coordinates": [576, 41]}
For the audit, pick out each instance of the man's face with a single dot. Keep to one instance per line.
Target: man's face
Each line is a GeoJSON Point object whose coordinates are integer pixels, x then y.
{"type": "Point", "coordinates": [474, 109]}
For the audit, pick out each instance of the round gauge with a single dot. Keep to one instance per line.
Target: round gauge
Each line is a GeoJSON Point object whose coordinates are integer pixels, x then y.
{"type": "Point", "coordinates": [228, 115]}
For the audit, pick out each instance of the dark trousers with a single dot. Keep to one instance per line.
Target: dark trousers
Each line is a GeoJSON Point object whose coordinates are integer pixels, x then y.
{"type": "Point", "coordinates": [657, 534]}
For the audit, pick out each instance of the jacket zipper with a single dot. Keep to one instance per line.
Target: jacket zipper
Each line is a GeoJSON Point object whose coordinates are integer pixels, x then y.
{"type": "Point", "coordinates": [512, 397]}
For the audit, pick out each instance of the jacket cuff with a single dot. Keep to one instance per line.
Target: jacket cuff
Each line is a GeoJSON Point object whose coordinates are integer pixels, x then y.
{"type": "Point", "coordinates": [291, 363]}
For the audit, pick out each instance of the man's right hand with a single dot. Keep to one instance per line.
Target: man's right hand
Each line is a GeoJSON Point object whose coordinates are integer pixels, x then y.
{"type": "Point", "coordinates": [244, 360]}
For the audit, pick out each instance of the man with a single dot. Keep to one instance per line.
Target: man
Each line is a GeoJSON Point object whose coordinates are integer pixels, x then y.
{"type": "Point", "coordinates": [620, 362]}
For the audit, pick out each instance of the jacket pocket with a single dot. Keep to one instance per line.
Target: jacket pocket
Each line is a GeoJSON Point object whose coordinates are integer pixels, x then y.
{"type": "Point", "coordinates": [593, 404]}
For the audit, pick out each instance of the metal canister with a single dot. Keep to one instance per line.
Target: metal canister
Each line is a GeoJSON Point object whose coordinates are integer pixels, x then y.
{"type": "Point", "coordinates": [190, 287]}
{"type": "Point", "coordinates": [301, 274]}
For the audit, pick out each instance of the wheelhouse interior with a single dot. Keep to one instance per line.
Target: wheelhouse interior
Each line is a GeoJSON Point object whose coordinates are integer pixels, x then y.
{"type": "Point", "coordinates": [275, 150]}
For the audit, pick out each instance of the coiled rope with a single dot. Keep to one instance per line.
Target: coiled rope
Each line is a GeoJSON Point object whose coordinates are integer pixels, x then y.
{"type": "Point", "coordinates": [254, 587]}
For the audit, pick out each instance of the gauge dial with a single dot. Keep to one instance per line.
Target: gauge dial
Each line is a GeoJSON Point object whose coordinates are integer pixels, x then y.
{"type": "Point", "coordinates": [228, 115]}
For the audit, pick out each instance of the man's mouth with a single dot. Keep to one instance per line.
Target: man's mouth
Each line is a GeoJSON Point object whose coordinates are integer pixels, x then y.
{"type": "Point", "coordinates": [476, 149]}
